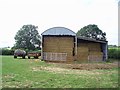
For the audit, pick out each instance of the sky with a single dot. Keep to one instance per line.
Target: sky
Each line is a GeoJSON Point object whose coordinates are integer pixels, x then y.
{"type": "Point", "coordinates": [72, 14]}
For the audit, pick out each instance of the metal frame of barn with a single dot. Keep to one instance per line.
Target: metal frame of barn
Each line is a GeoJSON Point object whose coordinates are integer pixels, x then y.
{"type": "Point", "coordinates": [60, 44]}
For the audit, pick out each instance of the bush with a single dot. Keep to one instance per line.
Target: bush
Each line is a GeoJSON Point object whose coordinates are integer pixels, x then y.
{"type": "Point", "coordinates": [6, 52]}
{"type": "Point", "coordinates": [114, 53]}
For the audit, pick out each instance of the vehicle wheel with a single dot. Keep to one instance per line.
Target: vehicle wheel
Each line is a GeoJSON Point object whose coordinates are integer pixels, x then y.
{"type": "Point", "coordinates": [15, 56]}
{"type": "Point", "coordinates": [23, 57]}
{"type": "Point", "coordinates": [36, 57]}
{"type": "Point", "coordinates": [28, 57]}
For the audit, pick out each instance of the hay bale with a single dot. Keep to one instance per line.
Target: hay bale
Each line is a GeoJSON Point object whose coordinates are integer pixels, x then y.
{"type": "Point", "coordinates": [59, 45]}
{"type": "Point", "coordinates": [94, 47]}
{"type": "Point", "coordinates": [95, 56]}
{"type": "Point", "coordinates": [82, 52]}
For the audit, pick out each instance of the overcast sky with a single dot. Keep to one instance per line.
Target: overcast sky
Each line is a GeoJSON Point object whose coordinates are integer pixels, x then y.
{"type": "Point", "coordinates": [72, 14]}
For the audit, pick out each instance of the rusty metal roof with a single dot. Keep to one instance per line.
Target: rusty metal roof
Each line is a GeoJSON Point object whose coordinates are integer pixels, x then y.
{"type": "Point", "coordinates": [59, 31]}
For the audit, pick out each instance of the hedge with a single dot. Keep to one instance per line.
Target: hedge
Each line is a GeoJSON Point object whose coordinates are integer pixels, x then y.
{"type": "Point", "coordinates": [11, 51]}
{"type": "Point", "coordinates": [6, 52]}
{"type": "Point", "coordinates": [114, 53]}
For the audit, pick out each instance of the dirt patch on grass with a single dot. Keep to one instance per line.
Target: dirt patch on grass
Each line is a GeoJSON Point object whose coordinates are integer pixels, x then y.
{"type": "Point", "coordinates": [87, 66]}
{"type": "Point", "coordinates": [52, 69]}
{"type": "Point", "coordinates": [93, 66]}
{"type": "Point", "coordinates": [76, 68]}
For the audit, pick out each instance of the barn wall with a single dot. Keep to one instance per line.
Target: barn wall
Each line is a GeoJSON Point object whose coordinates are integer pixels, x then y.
{"type": "Point", "coordinates": [57, 44]}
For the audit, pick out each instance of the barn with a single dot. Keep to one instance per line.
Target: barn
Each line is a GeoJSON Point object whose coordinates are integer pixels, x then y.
{"type": "Point", "coordinates": [60, 44]}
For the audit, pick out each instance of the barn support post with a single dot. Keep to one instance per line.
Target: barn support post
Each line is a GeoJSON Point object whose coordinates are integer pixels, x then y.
{"type": "Point", "coordinates": [42, 48]}
{"type": "Point", "coordinates": [75, 47]}
{"type": "Point", "coordinates": [105, 51]}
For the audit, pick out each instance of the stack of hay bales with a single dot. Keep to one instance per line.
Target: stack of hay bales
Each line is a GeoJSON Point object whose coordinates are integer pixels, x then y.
{"type": "Point", "coordinates": [89, 51]}
{"type": "Point", "coordinates": [82, 52]}
{"type": "Point", "coordinates": [59, 45]}
{"type": "Point", "coordinates": [50, 44]}
{"type": "Point", "coordinates": [66, 45]}
{"type": "Point", "coordinates": [55, 56]}
{"type": "Point", "coordinates": [95, 54]}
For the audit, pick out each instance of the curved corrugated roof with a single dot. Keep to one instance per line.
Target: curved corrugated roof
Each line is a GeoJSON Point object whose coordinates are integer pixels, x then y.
{"type": "Point", "coordinates": [59, 31]}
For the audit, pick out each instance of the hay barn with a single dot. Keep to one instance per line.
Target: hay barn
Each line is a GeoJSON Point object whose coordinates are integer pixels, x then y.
{"type": "Point", "coordinates": [60, 44]}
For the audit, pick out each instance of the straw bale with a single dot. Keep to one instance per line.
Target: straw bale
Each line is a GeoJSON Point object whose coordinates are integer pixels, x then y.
{"type": "Point", "coordinates": [81, 56]}
{"type": "Point", "coordinates": [59, 45]}
{"type": "Point", "coordinates": [89, 51]}
{"type": "Point", "coordinates": [94, 46]}
{"type": "Point", "coordinates": [82, 52]}
{"type": "Point", "coordinates": [82, 48]}
{"type": "Point", "coordinates": [95, 56]}
{"type": "Point", "coordinates": [94, 52]}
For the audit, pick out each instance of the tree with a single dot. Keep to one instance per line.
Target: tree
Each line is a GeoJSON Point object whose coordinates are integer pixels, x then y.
{"type": "Point", "coordinates": [92, 31]}
{"type": "Point", "coordinates": [27, 37]}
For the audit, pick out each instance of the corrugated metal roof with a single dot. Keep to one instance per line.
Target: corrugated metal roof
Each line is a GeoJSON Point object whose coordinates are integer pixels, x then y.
{"type": "Point", "coordinates": [91, 39]}
{"type": "Point", "coordinates": [59, 31]}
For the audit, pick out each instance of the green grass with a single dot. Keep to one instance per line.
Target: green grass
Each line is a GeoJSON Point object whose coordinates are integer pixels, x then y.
{"type": "Point", "coordinates": [24, 73]}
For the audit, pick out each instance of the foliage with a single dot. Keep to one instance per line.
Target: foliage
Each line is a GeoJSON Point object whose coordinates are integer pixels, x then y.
{"type": "Point", "coordinates": [27, 38]}
{"type": "Point", "coordinates": [114, 53]}
{"type": "Point", "coordinates": [92, 31]}
{"type": "Point", "coordinates": [6, 51]}
{"type": "Point", "coordinates": [112, 46]}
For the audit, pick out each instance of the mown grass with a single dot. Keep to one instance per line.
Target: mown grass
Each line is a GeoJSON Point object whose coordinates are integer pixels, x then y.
{"type": "Point", "coordinates": [24, 73]}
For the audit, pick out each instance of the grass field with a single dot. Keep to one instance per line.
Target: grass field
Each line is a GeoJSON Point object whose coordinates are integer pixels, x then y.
{"type": "Point", "coordinates": [24, 73]}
